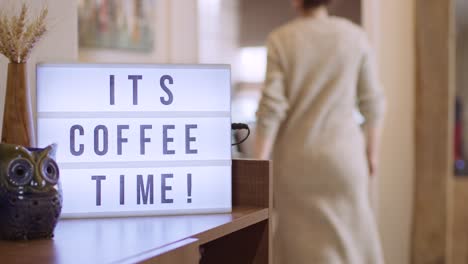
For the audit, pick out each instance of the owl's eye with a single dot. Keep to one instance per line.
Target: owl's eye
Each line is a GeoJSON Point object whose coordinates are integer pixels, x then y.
{"type": "Point", "coordinates": [20, 172]}
{"type": "Point", "coordinates": [50, 171]}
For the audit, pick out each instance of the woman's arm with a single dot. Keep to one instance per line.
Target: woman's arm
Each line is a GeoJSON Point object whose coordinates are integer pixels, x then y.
{"type": "Point", "coordinates": [273, 105]}
{"type": "Point", "coordinates": [371, 102]}
{"type": "Point", "coordinates": [263, 146]}
{"type": "Point", "coordinates": [372, 135]}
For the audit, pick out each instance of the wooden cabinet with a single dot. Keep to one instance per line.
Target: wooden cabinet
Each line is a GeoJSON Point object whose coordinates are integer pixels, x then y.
{"type": "Point", "coordinates": [242, 236]}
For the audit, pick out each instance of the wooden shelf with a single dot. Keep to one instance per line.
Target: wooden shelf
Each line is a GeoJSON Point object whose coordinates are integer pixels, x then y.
{"type": "Point", "coordinates": [242, 217]}
{"type": "Point", "coordinates": [160, 239]}
{"type": "Point", "coordinates": [116, 239]}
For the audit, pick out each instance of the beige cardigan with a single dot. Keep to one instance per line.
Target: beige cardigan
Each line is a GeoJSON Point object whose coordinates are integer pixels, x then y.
{"type": "Point", "coordinates": [320, 70]}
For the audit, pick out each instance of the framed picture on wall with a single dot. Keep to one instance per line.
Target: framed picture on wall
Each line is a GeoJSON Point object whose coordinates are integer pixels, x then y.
{"type": "Point", "coordinates": [117, 24]}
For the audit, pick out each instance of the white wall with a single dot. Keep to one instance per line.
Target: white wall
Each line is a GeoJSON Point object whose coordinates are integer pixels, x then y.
{"type": "Point", "coordinates": [184, 31]}
{"type": "Point", "coordinates": [59, 43]}
{"type": "Point", "coordinates": [218, 31]}
{"type": "Point", "coordinates": [397, 61]}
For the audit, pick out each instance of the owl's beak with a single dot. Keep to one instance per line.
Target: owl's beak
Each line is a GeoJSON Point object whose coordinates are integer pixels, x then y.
{"type": "Point", "coordinates": [38, 182]}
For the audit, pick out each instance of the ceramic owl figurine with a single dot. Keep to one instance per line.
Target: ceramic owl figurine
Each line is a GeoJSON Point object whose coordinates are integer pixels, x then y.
{"type": "Point", "coordinates": [30, 200]}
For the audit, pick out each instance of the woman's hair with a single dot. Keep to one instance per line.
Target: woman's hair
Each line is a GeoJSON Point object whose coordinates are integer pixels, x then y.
{"type": "Point", "coordinates": [308, 4]}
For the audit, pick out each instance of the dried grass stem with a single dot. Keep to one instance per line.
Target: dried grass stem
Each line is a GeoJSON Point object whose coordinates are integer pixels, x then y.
{"type": "Point", "coordinates": [17, 37]}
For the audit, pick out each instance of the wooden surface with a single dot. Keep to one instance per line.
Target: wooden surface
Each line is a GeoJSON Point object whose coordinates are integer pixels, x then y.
{"type": "Point", "coordinates": [434, 115]}
{"type": "Point", "coordinates": [185, 251]}
{"type": "Point", "coordinates": [245, 246]}
{"type": "Point", "coordinates": [253, 185]}
{"type": "Point", "coordinates": [164, 239]}
{"type": "Point", "coordinates": [116, 239]}
{"type": "Point", "coordinates": [250, 186]}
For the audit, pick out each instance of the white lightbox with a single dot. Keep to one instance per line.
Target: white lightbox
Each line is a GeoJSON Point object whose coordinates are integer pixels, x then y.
{"type": "Point", "coordinates": [138, 139]}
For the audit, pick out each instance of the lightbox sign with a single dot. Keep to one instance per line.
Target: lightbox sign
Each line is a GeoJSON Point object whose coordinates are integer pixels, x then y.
{"type": "Point", "coordinates": [138, 139]}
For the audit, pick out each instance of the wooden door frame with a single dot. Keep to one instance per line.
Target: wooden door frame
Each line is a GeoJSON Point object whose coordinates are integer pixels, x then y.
{"type": "Point", "coordinates": [435, 95]}
{"type": "Point", "coordinates": [434, 116]}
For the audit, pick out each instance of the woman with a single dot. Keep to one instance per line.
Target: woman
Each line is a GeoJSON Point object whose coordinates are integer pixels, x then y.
{"type": "Point", "coordinates": [319, 69]}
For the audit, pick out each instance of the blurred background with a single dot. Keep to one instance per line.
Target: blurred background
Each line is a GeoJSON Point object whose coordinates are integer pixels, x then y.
{"type": "Point", "coordinates": [225, 32]}
{"type": "Point", "coordinates": [234, 32]}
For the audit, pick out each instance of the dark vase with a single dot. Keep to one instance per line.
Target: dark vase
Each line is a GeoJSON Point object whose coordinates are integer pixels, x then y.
{"type": "Point", "coordinates": [30, 195]}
